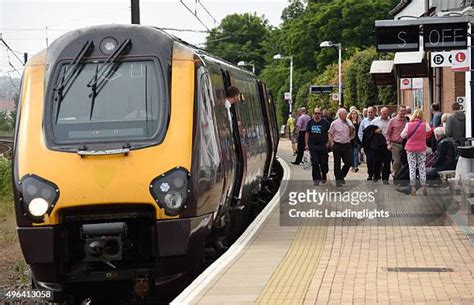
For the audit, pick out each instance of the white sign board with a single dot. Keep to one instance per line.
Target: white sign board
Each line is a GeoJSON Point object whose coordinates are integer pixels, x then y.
{"type": "Point", "coordinates": [417, 83]}
{"type": "Point", "coordinates": [460, 100]}
{"type": "Point", "coordinates": [441, 59]}
{"type": "Point", "coordinates": [405, 84]}
{"type": "Point", "coordinates": [460, 60]}
{"type": "Point", "coordinates": [287, 96]}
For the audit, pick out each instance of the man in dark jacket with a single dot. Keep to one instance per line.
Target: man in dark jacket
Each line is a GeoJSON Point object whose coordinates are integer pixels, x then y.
{"type": "Point", "coordinates": [445, 156]}
{"type": "Point", "coordinates": [456, 125]}
{"type": "Point", "coordinates": [374, 139]}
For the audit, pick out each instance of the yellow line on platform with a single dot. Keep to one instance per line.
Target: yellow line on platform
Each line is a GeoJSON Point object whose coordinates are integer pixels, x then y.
{"type": "Point", "coordinates": [291, 279]}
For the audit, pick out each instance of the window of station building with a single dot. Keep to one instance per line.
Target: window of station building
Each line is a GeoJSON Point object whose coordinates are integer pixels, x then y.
{"type": "Point", "coordinates": [418, 99]}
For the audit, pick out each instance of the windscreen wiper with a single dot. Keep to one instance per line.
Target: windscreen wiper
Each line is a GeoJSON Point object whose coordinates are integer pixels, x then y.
{"type": "Point", "coordinates": [100, 78]}
{"type": "Point", "coordinates": [71, 72]}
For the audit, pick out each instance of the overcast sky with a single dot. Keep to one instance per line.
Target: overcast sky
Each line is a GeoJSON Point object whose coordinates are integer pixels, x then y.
{"type": "Point", "coordinates": [27, 25]}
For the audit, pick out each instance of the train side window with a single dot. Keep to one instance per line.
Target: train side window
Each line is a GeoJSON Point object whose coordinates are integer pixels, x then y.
{"type": "Point", "coordinates": [209, 159]}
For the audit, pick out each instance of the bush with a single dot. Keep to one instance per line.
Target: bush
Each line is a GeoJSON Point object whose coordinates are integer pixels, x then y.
{"type": "Point", "coordinates": [5, 178]}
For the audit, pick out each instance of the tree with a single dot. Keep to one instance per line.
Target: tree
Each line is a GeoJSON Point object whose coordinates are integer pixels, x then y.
{"type": "Point", "coordinates": [350, 22]}
{"type": "Point", "coordinates": [239, 37]}
{"type": "Point", "coordinates": [293, 11]}
{"type": "Point", "coordinates": [360, 91]}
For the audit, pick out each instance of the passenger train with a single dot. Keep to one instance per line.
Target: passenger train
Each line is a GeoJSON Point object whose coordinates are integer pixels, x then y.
{"type": "Point", "coordinates": [130, 168]}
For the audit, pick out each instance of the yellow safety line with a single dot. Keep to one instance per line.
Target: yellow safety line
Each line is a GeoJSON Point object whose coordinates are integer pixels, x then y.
{"type": "Point", "coordinates": [291, 279]}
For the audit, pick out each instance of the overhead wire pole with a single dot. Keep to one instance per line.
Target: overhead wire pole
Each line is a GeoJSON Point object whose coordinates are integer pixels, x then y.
{"type": "Point", "coordinates": [135, 7]}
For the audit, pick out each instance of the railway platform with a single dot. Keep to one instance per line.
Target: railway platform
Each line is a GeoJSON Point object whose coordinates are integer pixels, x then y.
{"type": "Point", "coordinates": [335, 261]}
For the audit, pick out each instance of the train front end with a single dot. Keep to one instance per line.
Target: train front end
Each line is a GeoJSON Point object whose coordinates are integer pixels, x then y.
{"type": "Point", "coordinates": [102, 163]}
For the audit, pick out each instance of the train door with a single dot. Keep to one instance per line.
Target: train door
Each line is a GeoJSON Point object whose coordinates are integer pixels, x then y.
{"type": "Point", "coordinates": [267, 123]}
{"type": "Point", "coordinates": [240, 148]}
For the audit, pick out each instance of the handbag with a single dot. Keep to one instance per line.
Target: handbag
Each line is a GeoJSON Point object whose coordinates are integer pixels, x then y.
{"type": "Point", "coordinates": [307, 161]}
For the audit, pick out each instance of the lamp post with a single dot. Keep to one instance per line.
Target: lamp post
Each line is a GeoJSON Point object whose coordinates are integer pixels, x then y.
{"type": "Point", "coordinates": [278, 57]}
{"type": "Point", "coordinates": [330, 44]}
{"type": "Point", "coordinates": [243, 63]}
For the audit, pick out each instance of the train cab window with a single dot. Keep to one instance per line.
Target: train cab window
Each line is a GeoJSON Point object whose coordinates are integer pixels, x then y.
{"type": "Point", "coordinates": [128, 103]}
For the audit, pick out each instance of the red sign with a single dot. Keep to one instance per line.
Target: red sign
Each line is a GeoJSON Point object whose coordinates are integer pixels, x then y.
{"type": "Point", "coordinates": [405, 84]}
{"type": "Point", "coordinates": [460, 60]}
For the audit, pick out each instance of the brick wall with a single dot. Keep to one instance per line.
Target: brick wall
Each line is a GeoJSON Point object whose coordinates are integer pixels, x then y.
{"type": "Point", "coordinates": [452, 86]}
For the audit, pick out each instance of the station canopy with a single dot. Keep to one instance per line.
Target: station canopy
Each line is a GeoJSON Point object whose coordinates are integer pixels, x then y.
{"type": "Point", "coordinates": [382, 72]}
{"type": "Point", "coordinates": [411, 64]}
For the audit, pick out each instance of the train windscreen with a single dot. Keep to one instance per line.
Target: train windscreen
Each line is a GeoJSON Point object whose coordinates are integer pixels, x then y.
{"type": "Point", "coordinates": [107, 103]}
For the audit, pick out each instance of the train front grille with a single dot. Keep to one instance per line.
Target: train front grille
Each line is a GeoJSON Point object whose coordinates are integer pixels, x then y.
{"type": "Point", "coordinates": [100, 238]}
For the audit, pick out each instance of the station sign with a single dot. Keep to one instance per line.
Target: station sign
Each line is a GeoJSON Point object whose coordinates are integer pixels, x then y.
{"type": "Point", "coordinates": [439, 34]}
{"type": "Point", "coordinates": [405, 84]}
{"type": "Point", "coordinates": [460, 60]}
{"type": "Point", "coordinates": [449, 36]}
{"type": "Point", "coordinates": [411, 83]}
{"type": "Point", "coordinates": [316, 89]}
{"type": "Point", "coordinates": [441, 59]}
{"type": "Point", "coordinates": [460, 100]}
{"type": "Point", "coordinates": [398, 38]}
{"type": "Point", "coordinates": [417, 83]}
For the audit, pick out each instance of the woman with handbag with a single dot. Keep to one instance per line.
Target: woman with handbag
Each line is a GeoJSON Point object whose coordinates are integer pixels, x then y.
{"type": "Point", "coordinates": [415, 134]}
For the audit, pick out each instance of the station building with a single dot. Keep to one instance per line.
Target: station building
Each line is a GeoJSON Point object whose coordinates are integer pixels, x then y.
{"type": "Point", "coordinates": [418, 83]}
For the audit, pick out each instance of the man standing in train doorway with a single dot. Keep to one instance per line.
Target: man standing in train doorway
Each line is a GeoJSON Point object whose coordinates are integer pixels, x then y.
{"type": "Point", "coordinates": [316, 140]}
{"type": "Point", "coordinates": [301, 125]}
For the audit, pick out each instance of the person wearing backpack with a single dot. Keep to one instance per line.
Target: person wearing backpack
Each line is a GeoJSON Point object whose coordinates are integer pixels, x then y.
{"type": "Point", "coordinates": [445, 156]}
{"type": "Point", "coordinates": [415, 133]}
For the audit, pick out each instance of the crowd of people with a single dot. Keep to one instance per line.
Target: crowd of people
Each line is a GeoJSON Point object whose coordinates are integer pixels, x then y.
{"type": "Point", "coordinates": [399, 145]}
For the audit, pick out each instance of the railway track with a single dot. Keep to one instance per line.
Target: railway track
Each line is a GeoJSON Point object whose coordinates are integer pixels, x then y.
{"type": "Point", "coordinates": [6, 146]}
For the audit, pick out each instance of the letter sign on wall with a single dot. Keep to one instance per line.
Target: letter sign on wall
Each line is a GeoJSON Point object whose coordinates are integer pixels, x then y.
{"type": "Point", "coordinates": [398, 38]}
{"type": "Point", "coordinates": [449, 36]}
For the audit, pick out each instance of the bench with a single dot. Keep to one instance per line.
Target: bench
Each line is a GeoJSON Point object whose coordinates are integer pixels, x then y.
{"type": "Point", "coordinates": [470, 204]}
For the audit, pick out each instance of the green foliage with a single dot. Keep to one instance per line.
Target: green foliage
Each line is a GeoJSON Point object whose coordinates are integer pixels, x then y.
{"type": "Point", "coordinates": [351, 22]}
{"type": "Point", "coordinates": [359, 89]}
{"type": "Point", "coordinates": [240, 37]}
{"type": "Point", "coordinates": [13, 114]}
{"type": "Point", "coordinates": [293, 11]}
{"type": "Point", "coordinates": [5, 121]}
{"type": "Point", "coordinates": [5, 178]}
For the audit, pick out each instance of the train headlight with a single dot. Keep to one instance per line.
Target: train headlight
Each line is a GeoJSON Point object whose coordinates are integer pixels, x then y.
{"type": "Point", "coordinates": [173, 200]}
{"type": "Point", "coordinates": [38, 196]}
{"type": "Point", "coordinates": [38, 207]}
{"type": "Point", "coordinates": [170, 190]}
